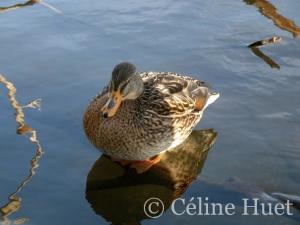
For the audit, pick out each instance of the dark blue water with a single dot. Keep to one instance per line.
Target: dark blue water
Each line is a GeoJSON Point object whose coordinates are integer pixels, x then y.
{"type": "Point", "coordinates": [66, 59]}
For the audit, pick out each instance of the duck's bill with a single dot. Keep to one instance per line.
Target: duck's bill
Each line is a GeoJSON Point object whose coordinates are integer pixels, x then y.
{"type": "Point", "coordinates": [111, 107]}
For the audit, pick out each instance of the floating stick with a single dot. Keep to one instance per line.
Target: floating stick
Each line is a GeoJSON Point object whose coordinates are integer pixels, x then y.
{"type": "Point", "coordinates": [14, 202]}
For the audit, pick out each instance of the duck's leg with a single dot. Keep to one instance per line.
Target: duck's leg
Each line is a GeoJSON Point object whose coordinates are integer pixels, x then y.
{"type": "Point", "coordinates": [144, 165]}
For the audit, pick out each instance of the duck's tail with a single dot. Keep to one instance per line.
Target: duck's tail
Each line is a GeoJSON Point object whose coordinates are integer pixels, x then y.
{"type": "Point", "coordinates": [212, 97]}
{"type": "Point", "coordinates": [204, 97]}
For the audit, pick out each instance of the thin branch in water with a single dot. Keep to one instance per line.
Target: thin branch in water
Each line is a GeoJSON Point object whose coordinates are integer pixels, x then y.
{"type": "Point", "coordinates": [50, 7]}
{"type": "Point", "coordinates": [268, 10]}
{"type": "Point", "coordinates": [18, 6]}
{"type": "Point", "coordinates": [30, 3]}
{"type": "Point", "coordinates": [268, 41]}
{"type": "Point", "coordinates": [14, 202]}
{"type": "Point", "coordinates": [265, 58]}
{"type": "Point", "coordinates": [256, 51]}
{"type": "Point", "coordinates": [35, 104]}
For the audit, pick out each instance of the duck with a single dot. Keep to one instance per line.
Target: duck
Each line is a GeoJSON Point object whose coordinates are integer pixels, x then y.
{"type": "Point", "coordinates": [140, 115]}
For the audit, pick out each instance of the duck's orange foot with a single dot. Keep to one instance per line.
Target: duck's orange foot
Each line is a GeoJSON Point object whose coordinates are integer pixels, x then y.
{"type": "Point", "coordinates": [144, 165]}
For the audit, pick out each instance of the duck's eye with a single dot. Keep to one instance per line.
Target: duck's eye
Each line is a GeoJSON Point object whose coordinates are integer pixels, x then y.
{"type": "Point", "coordinates": [122, 88]}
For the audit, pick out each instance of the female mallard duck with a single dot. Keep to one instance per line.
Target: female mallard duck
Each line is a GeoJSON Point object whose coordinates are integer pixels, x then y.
{"type": "Point", "coordinates": [140, 115]}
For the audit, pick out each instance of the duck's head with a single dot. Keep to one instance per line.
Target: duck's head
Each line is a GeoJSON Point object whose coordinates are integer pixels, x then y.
{"type": "Point", "coordinates": [126, 83]}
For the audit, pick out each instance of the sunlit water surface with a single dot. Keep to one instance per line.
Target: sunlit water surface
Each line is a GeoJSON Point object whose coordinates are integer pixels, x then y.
{"type": "Point", "coordinates": [66, 59]}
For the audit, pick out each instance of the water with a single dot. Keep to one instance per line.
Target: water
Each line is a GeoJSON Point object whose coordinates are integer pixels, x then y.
{"type": "Point", "coordinates": [66, 59]}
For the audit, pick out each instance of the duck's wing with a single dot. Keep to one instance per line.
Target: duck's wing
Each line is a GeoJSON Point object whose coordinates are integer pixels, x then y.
{"type": "Point", "coordinates": [182, 94]}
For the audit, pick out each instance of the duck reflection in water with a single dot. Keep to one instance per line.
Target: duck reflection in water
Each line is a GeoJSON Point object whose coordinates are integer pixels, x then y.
{"type": "Point", "coordinates": [118, 193]}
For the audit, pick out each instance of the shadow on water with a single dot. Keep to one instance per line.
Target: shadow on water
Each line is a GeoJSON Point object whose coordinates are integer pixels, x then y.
{"type": "Point", "coordinates": [29, 3]}
{"type": "Point", "coordinates": [14, 201]}
{"type": "Point", "coordinates": [268, 10]}
{"type": "Point", "coordinates": [118, 193]}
